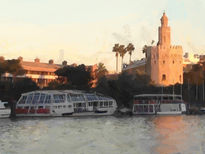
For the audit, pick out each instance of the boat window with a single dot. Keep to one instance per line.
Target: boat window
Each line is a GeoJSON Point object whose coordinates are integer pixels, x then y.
{"type": "Point", "coordinates": [35, 98]}
{"type": "Point", "coordinates": [105, 103]}
{"type": "Point", "coordinates": [101, 104]}
{"type": "Point", "coordinates": [77, 97]}
{"type": "Point", "coordinates": [55, 107]}
{"type": "Point", "coordinates": [40, 107]}
{"type": "Point", "coordinates": [165, 98]}
{"type": "Point", "coordinates": [29, 99]}
{"type": "Point", "coordinates": [145, 108]}
{"type": "Point", "coordinates": [64, 106]}
{"type": "Point", "coordinates": [102, 98]}
{"type": "Point", "coordinates": [80, 105]}
{"type": "Point", "coordinates": [60, 106]}
{"type": "Point", "coordinates": [42, 97]}
{"type": "Point", "coordinates": [150, 108]}
{"type": "Point", "coordinates": [110, 104]}
{"type": "Point", "coordinates": [90, 103]}
{"type": "Point", "coordinates": [140, 108]}
{"type": "Point", "coordinates": [26, 107]}
{"type": "Point", "coordinates": [95, 103]}
{"type": "Point", "coordinates": [68, 98]}
{"type": "Point", "coordinates": [59, 98]}
{"type": "Point", "coordinates": [47, 107]}
{"type": "Point", "coordinates": [48, 99]}
{"type": "Point", "coordinates": [23, 100]}
{"type": "Point", "coordinates": [91, 97]}
{"type": "Point", "coordinates": [32, 107]}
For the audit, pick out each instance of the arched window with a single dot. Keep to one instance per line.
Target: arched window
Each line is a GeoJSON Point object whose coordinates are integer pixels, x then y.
{"type": "Point", "coordinates": [173, 61]}
{"type": "Point", "coordinates": [163, 77]}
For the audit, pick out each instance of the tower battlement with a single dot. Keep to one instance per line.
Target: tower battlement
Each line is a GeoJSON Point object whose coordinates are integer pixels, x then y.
{"type": "Point", "coordinates": [176, 47]}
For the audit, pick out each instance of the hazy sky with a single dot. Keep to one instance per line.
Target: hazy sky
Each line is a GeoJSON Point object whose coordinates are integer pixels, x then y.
{"type": "Point", "coordinates": [84, 31]}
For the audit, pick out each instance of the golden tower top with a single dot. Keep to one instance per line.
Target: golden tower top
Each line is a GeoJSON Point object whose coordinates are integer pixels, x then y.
{"type": "Point", "coordinates": [164, 20]}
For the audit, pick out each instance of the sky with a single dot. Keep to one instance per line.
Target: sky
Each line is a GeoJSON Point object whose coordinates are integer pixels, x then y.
{"type": "Point", "coordinates": [84, 31]}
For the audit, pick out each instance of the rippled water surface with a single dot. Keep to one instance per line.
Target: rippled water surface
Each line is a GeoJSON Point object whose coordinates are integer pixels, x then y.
{"type": "Point", "coordinates": [106, 135]}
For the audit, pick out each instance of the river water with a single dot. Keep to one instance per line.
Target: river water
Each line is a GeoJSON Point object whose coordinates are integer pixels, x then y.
{"type": "Point", "coordinates": [104, 135]}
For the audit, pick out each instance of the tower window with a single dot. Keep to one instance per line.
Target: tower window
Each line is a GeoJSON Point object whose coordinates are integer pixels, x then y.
{"type": "Point", "coordinates": [163, 77]}
{"type": "Point", "coordinates": [163, 61]}
{"type": "Point", "coordinates": [173, 61]}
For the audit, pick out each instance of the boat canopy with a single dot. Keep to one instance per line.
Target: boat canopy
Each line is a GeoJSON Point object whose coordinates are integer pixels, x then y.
{"type": "Point", "coordinates": [59, 96]}
{"type": "Point", "coordinates": [157, 96]}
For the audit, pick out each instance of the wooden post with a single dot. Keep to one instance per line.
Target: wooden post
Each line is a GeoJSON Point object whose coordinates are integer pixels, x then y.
{"type": "Point", "coordinates": [203, 90]}
{"type": "Point", "coordinates": [13, 107]}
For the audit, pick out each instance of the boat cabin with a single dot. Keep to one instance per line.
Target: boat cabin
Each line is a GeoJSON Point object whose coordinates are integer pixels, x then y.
{"type": "Point", "coordinates": [158, 104]}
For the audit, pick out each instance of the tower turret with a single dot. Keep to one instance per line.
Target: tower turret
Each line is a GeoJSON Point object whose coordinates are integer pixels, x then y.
{"type": "Point", "coordinates": [164, 32]}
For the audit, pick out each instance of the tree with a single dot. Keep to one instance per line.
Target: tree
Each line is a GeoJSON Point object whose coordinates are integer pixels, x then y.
{"type": "Point", "coordinates": [2, 66]}
{"type": "Point", "coordinates": [101, 71]}
{"type": "Point", "coordinates": [14, 67]}
{"type": "Point", "coordinates": [130, 48]}
{"type": "Point", "coordinates": [21, 86]}
{"type": "Point", "coordinates": [78, 77]}
{"type": "Point", "coordinates": [122, 52]}
{"type": "Point", "coordinates": [116, 50]}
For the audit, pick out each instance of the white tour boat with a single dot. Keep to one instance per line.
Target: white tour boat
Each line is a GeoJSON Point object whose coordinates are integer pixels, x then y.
{"type": "Point", "coordinates": [4, 110]}
{"type": "Point", "coordinates": [64, 103]}
{"type": "Point", "coordinates": [158, 104]}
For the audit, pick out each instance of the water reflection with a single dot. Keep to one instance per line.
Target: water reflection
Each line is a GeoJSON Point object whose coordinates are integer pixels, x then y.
{"type": "Point", "coordinates": [175, 134]}
{"type": "Point", "coordinates": [137, 134]}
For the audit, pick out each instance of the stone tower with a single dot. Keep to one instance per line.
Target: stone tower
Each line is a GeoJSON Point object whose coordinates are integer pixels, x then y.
{"type": "Point", "coordinates": [166, 60]}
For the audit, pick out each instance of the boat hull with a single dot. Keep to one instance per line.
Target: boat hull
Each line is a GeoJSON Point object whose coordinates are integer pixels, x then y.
{"type": "Point", "coordinates": [79, 114]}
{"type": "Point", "coordinates": [5, 113]}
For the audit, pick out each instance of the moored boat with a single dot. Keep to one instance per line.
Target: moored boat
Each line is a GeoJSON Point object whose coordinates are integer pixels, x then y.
{"type": "Point", "coordinates": [64, 103]}
{"type": "Point", "coordinates": [158, 104]}
{"type": "Point", "coordinates": [4, 110]}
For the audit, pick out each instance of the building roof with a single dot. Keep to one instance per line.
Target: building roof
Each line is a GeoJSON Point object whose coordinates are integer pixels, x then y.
{"type": "Point", "coordinates": [37, 66]}
{"type": "Point", "coordinates": [135, 64]}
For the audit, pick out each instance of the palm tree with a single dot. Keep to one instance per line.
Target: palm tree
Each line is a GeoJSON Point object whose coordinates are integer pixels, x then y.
{"type": "Point", "coordinates": [130, 48]}
{"type": "Point", "coordinates": [122, 52]}
{"type": "Point", "coordinates": [116, 50]}
{"type": "Point", "coordinates": [144, 50]}
{"type": "Point", "coordinates": [101, 71]}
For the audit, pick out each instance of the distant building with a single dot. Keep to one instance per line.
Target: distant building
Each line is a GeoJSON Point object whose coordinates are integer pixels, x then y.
{"type": "Point", "coordinates": [163, 63]}
{"type": "Point", "coordinates": [41, 73]}
{"type": "Point", "coordinates": [136, 66]}
{"type": "Point", "coordinates": [44, 73]}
